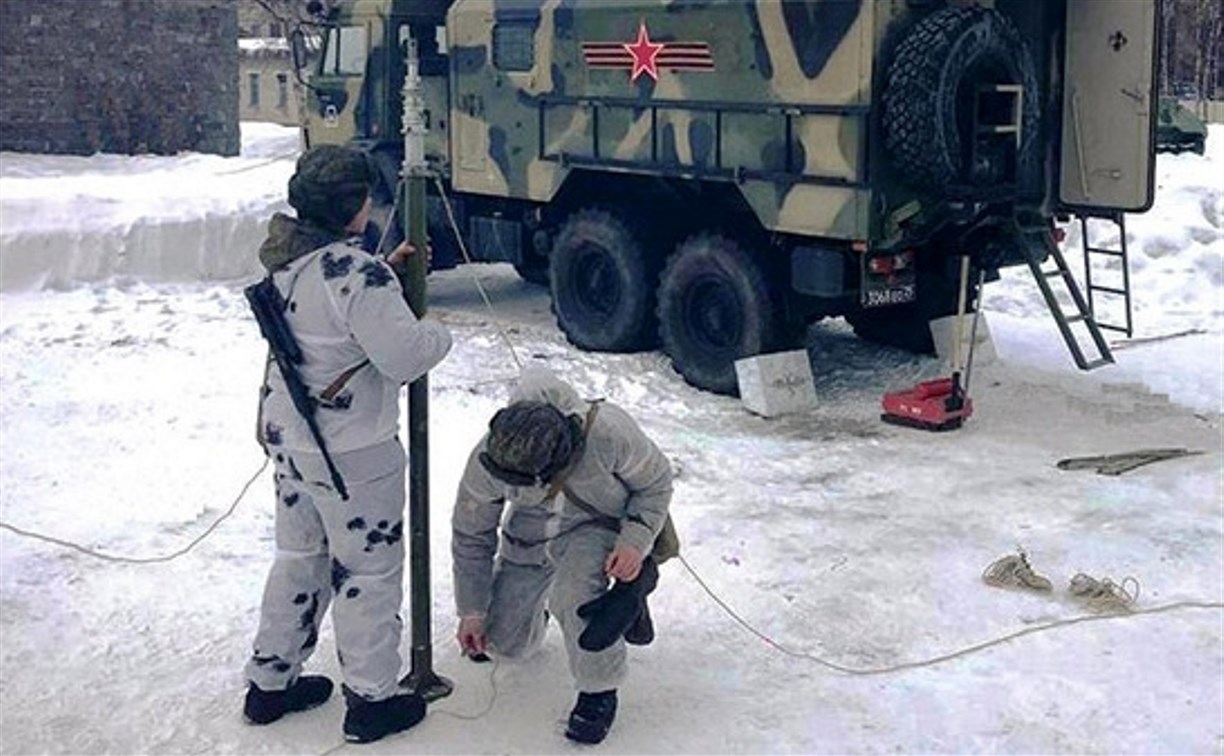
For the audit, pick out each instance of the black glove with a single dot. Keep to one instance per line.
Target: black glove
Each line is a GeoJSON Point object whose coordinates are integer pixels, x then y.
{"type": "Point", "coordinates": [609, 616]}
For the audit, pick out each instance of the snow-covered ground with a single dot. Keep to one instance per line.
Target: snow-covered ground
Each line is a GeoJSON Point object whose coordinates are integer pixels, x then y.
{"type": "Point", "coordinates": [128, 373]}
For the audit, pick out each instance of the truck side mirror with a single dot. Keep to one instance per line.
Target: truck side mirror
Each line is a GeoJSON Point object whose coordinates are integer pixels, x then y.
{"type": "Point", "coordinates": [297, 44]}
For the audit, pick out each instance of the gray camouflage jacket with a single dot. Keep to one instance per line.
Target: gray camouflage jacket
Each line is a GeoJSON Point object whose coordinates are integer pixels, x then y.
{"type": "Point", "coordinates": [621, 473]}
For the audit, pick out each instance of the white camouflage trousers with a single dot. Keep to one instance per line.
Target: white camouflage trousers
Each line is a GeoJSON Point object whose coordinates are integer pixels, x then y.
{"type": "Point", "coordinates": [346, 554]}
{"type": "Point", "coordinates": [568, 573]}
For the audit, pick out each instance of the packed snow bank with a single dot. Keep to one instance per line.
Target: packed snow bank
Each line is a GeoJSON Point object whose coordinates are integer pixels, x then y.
{"type": "Point", "coordinates": [71, 220]}
{"type": "Point", "coordinates": [68, 220]}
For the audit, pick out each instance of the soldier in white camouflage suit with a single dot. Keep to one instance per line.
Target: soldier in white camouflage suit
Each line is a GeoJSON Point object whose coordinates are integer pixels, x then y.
{"type": "Point", "coordinates": [360, 343]}
{"type": "Point", "coordinates": [588, 493]}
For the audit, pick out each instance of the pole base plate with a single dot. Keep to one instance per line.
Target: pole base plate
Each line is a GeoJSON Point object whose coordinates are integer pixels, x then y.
{"type": "Point", "coordinates": [429, 685]}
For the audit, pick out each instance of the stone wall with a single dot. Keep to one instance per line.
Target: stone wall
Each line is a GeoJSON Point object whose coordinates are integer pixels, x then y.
{"type": "Point", "coordinates": [121, 76]}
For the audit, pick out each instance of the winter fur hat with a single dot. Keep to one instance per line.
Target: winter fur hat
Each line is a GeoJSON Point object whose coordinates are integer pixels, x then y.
{"type": "Point", "coordinates": [530, 441]}
{"type": "Point", "coordinates": [330, 185]}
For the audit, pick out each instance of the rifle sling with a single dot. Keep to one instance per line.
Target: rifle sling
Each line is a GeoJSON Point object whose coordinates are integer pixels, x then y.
{"type": "Point", "coordinates": [330, 392]}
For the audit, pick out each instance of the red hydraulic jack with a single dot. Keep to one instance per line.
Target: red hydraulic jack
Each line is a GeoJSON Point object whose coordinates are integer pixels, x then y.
{"type": "Point", "coordinates": [942, 404]}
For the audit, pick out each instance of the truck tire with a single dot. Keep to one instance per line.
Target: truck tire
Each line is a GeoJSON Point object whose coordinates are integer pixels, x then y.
{"type": "Point", "coordinates": [715, 307]}
{"type": "Point", "coordinates": [603, 283]}
{"type": "Point", "coordinates": [928, 102]}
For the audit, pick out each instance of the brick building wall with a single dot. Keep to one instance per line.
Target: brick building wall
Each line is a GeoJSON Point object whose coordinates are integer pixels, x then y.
{"type": "Point", "coordinates": [121, 76]}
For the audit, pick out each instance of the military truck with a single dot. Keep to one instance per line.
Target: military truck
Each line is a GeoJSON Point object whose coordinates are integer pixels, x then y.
{"type": "Point", "coordinates": [1178, 129]}
{"type": "Point", "coordinates": [712, 176]}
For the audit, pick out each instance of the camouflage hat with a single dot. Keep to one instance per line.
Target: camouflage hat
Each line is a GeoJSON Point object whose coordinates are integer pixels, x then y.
{"type": "Point", "coordinates": [330, 185]}
{"type": "Point", "coordinates": [530, 441]}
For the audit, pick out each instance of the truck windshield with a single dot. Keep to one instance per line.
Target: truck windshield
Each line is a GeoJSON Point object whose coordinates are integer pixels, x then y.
{"type": "Point", "coordinates": [345, 51]}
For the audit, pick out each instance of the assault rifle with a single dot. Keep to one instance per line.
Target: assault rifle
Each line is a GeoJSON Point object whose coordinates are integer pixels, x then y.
{"type": "Point", "coordinates": [269, 308]}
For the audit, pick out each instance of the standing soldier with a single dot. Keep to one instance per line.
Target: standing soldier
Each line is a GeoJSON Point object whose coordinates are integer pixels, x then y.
{"type": "Point", "coordinates": [588, 493]}
{"type": "Point", "coordinates": [329, 423]}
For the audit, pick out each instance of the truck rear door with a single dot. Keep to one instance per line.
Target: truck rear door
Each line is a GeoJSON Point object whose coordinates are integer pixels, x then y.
{"type": "Point", "coordinates": [1109, 105]}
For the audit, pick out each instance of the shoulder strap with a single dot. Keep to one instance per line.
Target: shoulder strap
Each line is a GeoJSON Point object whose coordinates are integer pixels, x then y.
{"type": "Point", "coordinates": [335, 386]}
{"type": "Point", "coordinates": [559, 482]}
{"type": "Point", "coordinates": [604, 520]}
{"type": "Point", "coordinates": [330, 392]}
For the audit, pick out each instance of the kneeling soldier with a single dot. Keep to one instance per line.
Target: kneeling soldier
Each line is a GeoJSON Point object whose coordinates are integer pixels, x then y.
{"type": "Point", "coordinates": [588, 493]}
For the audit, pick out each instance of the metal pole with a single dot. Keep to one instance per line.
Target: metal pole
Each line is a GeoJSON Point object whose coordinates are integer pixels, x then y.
{"type": "Point", "coordinates": [421, 678]}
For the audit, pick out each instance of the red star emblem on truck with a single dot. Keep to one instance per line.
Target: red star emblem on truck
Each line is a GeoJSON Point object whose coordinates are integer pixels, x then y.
{"type": "Point", "coordinates": [645, 56]}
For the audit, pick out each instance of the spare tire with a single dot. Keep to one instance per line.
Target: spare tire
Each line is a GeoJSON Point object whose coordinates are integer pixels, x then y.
{"type": "Point", "coordinates": [929, 96]}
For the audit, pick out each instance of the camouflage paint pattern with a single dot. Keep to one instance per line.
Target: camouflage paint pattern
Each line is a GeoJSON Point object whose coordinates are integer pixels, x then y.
{"type": "Point", "coordinates": [799, 66]}
{"type": "Point", "coordinates": [339, 124]}
{"type": "Point", "coordinates": [770, 59]}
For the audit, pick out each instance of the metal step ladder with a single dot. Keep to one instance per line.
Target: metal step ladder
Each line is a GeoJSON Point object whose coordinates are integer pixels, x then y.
{"type": "Point", "coordinates": [1122, 291]}
{"type": "Point", "coordinates": [1039, 246]}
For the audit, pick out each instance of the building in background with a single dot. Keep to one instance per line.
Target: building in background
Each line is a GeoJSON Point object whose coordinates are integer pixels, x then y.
{"type": "Point", "coordinates": [120, 76]}
{"type": "Point", "coordinates": [268, 90]}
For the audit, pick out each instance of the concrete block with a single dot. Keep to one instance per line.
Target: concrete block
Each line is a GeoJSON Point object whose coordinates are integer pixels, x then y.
{"type": "Point", "coordinates": [776, 384]}
{"type": "Point", "coordinates": [943, 332]}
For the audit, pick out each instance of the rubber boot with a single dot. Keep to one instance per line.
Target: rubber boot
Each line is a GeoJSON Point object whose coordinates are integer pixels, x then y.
{"type": "Point", "coordinates": [368, 721]}
{"type": "Point", "coordinates": [266, 706]}
{"type": "Point", "coordinates": [592, 717]}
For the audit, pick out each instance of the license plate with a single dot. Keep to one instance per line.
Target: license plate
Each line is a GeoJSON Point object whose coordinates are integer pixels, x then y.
{"type": "Point", "coordinates": [884, 296]}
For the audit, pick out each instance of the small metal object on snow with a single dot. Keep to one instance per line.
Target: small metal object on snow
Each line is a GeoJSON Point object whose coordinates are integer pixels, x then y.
{"type": "Point", "coordinates": [1116, 464]}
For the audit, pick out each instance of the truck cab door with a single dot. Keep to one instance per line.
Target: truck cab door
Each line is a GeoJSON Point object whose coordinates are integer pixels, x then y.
{"type": "Point", "coordinates": [1109, 105]}
{"type": "Point", "coordinates": [335, 113]}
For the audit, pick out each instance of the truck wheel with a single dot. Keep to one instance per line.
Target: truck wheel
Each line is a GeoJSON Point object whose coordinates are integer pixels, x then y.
{"type": "Point", "coordinates": [929, 95]}
{"type": "Point", "coordinates": [603, 283]}
{"type": "Point", "coordinates": [715, 306]}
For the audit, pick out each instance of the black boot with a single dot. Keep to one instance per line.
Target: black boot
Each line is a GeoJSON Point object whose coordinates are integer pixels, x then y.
{"type": "Point", "coordinates": [611, 615]}
{"type": "Point", "coordinates": [592, 717]}
{"type": "Point", "coordinates": [367, 721]}
{"type": "Point", "coordinates": [266, 706]}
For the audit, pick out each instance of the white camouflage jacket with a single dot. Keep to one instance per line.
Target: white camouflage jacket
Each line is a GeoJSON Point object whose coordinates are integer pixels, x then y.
{"type": "Point", "coordinates": [621, 473]}
{"type": "Point", "coordinates": [346, 309]}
